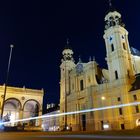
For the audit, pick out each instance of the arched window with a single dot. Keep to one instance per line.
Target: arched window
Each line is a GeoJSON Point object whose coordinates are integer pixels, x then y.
{"type": "Point", "coordinates": [81, 85]}
{"type": "Point", "coordinates": [116, 75]}
{"type": "Point", "coordinates": [124, 46]}
{"type": "Point", "coordinates": [112, 47]}
{"type": "Point", "coordinates": [128, 73]}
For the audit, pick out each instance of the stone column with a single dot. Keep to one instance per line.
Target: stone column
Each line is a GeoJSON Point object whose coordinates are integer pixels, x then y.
{"type": "Point", "coordinates": [21, 114]}
{"type": "Point", "coordinates": [40, 120]}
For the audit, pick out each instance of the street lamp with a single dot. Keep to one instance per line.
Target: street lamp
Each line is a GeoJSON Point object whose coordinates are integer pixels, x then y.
{"type": "Point", "coordinates": [103, 98]}
{"type": "Point", "coordinates": [6, 81]}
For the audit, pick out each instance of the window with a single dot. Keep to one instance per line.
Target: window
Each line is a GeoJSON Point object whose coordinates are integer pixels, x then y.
{"type": "Point", "coordinates": [120, 111]}
{"type": "Point", "coordinates": [81, 85]}
{"type": "Point", "coordinates": [119, 99]}
{"type": "Point", "coordinates": [124, 46]}
{"type": "Point", "coordinates": [116, 75]}
{"type": "Point", "coordinates": [135, 97]}
{"type": "Point", "coordinates": [128, 73]}
{"type": "Point", "coordinates": [137, 108]}
{"type": "Point", "coordinates": [112, 47]}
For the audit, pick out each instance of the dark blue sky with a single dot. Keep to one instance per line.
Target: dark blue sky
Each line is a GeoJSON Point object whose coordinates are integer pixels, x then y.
{"type": "Point", "coordinates": [39, 28]}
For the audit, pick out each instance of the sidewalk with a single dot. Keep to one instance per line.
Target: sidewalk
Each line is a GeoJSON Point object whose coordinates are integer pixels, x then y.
{"type": "Point", "coordinates": [104, 133]}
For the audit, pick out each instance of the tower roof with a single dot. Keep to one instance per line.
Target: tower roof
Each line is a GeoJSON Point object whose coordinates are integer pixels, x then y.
{"type": "Point", "coordinates": [113, 17]}
{"type": "Point", "coordinates": [111, 7]}
{"type": "Point", "coordinates": [67, 52]}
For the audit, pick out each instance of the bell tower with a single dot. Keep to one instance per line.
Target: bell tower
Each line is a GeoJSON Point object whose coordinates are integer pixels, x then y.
{"type": "Point", "coordinates": [118, 55]}
{"type": "Point", "coordinates": [66, 66]}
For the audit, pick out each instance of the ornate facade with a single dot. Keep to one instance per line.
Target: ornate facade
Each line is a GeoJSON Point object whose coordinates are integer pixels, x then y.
{"type": "Point", "coordinates": [22, 103]}
{"type": "Point", "coordinates": [86, 85]}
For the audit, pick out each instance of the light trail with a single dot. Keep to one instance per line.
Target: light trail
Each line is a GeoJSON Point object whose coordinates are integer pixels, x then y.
{"type": "Point", "coordinates": [70, 113]}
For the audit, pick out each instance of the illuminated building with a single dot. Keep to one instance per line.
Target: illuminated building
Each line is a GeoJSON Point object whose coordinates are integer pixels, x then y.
{"type": "Point", "coordinates": [51, 123]}
{"type": "Point", "coordinates": [86, 85]}
{"type": "Point", "coordinates": [22, 103]}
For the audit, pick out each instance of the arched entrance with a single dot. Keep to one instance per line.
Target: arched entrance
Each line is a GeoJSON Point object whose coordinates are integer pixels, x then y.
{"type": "Point", "coordinates": [12, 107]}
{"type": "Point", "coordinates": [31, 109]}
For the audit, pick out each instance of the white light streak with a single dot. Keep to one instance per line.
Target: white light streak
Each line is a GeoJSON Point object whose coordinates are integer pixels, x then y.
{"type": "Point", "coordinates": [70, 113]}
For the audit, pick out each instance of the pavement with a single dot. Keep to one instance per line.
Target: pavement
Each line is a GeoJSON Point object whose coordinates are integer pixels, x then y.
{"type": "Point", "coordinates": [67, 136]}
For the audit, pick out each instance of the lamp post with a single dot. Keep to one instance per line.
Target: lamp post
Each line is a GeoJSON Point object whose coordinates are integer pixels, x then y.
{"type": "Point", "coordinates": [6, 81]}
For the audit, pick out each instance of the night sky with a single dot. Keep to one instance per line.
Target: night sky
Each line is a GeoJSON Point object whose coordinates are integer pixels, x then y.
{"type": "Point", "coordinates": [39, 29]}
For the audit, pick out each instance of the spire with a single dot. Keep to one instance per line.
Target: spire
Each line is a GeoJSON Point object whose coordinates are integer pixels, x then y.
{"type": "Point", "coordinates": [67, 46]}
{"type": "Point", "coordinates": [111, 7]}
{"type": "Point", "coordinates": [89, 58]}
{"type": "Point", "coordinates": [80, 61]}
{"type": "Point", "coordinates": [110, 4]}
{"type": "Point", "coordinates": [67, 52]}
{"type": "Point", "coordinates": [113, 17]}
{"type": "Point", "coordinates": [67, 41]}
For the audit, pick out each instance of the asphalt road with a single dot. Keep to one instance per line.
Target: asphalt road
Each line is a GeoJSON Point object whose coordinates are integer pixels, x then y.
{"type": "Point", "coordinates": [53, 136]}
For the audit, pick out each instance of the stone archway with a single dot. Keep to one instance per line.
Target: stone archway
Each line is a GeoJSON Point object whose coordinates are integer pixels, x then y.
{"type": "Point", "coordinates": [12, 107]}
{"type": "Point", "coordinates": [31, 109]}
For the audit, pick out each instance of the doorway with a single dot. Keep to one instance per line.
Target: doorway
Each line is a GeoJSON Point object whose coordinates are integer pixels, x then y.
{"type": "Point", "coordinates": [122, 126]}
{"type": "Point", "coordinates": [84, 122]}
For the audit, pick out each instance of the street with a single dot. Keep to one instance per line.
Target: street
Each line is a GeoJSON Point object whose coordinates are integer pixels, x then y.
{"type": "Point", "coordinates": [56, 136]}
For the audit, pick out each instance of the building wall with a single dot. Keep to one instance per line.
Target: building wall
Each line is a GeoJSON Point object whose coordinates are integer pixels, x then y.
{"type": "Point", "coordinates": [51, 123]}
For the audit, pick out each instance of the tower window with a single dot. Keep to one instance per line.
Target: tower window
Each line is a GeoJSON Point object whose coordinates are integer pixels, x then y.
{"type": "Point", "coordinates": [120, 111]}
{"type": "Point", "coordinates": [112, 47]}
{"type": "Point", "coordinates": [81, 85]}
{"type": "Point", "coordinates": [116, 75]}
{"type": "Point", "coordinates": [124, 46]}
{"type": "Point", "coordinates": [135, 97]}
{"type": "Point", "coordinates": [137, 108]}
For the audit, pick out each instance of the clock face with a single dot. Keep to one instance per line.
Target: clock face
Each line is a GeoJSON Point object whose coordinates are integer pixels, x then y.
{"type": "Point", "coordinates": [79, 68]}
